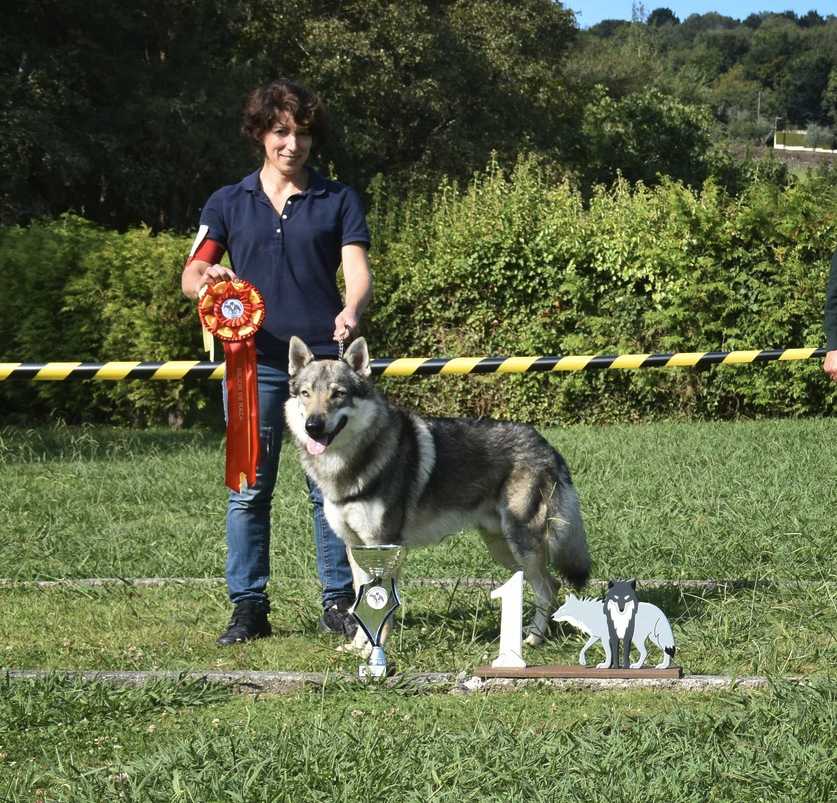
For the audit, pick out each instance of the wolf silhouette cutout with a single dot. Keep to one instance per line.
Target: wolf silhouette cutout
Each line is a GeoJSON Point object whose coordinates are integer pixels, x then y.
{"type": "Point", "coordinates": [649, 622]}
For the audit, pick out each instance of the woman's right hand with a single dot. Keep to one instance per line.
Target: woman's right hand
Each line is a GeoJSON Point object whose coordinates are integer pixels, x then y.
{"type": "Point", "coordinates": [213, 273]}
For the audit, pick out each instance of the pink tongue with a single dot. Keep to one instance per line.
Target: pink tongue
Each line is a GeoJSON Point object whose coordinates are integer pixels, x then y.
{"type": "Point", "coordinates": [314, 447]}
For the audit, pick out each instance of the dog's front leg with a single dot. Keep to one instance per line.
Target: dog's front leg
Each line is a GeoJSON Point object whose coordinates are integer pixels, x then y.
{"type": "Point", "coordinates": [360, 643]}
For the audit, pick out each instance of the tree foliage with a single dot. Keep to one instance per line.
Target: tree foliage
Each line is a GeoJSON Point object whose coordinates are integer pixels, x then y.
{"type": "Point", "coordinates": [129, 113]}
{"type": "Point", "coordinates": [747, 73]}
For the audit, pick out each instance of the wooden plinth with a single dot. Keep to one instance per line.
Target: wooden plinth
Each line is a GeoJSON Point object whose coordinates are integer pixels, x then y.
{"type": "Point", "coordinates": [558, 671]}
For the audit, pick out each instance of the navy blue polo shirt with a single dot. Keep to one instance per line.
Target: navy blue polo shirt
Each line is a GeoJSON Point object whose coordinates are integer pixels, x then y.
{"type": "Point", "coordinates": [292, 256]}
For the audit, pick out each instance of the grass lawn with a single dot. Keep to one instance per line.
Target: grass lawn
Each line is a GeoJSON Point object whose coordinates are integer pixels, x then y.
{"type": "Point", "coordinates": [751, 499]}
{"type": "Point", "coordinates": [748, 500]}
{"type": "Point", "coordinates": [192, 743]}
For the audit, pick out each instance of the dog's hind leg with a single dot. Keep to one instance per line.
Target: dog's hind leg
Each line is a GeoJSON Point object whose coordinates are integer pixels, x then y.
{"type": "Point", "coordinates": [525, 543]}
{"type": "Point", "coordinates": [543, 584]}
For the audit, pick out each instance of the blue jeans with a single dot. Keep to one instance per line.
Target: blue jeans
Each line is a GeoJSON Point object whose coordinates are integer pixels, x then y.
{"type": "Point", "coordinates": [248, 513]}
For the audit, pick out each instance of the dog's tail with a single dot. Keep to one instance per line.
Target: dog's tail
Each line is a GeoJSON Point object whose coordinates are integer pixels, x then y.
{"type": "Point", "coordinates": [566, 538]}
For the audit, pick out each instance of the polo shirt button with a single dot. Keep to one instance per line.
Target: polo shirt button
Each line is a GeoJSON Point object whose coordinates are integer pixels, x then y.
{"type": "Point", "coordinates": [278, 231]}
{"type": "Point", "coordinates": [284, 217]}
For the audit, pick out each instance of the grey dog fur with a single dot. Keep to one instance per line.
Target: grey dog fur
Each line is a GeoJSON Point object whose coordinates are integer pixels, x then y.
{"type": "Point", "coordinates": [390, 476]}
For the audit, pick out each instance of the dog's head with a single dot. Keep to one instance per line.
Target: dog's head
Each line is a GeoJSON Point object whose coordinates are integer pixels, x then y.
{"type": "Point", "coordinates": [325, 393]}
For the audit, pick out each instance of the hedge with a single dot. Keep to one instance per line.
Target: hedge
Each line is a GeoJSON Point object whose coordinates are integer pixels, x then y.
{"type": "Point", "coordinates": [514, 263]}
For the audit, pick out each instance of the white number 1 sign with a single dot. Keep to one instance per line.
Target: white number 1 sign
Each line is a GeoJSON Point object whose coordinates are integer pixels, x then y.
{"type": "Point", "coordinates": [511, 622]}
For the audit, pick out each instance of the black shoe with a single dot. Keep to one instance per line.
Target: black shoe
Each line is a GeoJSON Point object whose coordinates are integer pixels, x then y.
{"type": "Point", "coordinates": [337, 619]}
{"type": "Point", "coordinates": [249, 621]}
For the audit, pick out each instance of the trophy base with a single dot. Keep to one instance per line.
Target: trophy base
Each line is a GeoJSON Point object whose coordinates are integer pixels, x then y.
{"type": "Point", "coordinates": [377, 666]}
{"type": "Point", "coordinates": [367, 672]}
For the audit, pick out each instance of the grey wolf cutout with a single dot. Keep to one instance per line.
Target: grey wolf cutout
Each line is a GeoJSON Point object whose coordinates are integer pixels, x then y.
{"type": "Point", "coordinates": [390, 476]}
{"type": "Point", "coordinates": [588, 615]}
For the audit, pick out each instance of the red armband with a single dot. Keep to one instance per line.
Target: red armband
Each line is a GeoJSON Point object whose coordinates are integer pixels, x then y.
{"type": "Point", "coordinates": [204, 249]}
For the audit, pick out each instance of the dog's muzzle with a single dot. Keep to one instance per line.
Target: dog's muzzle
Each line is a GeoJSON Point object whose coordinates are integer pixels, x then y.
{"type": "Point", "coordinates": [318, 437]}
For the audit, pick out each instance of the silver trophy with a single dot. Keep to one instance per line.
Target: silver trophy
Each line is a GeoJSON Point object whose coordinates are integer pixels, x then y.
{"type": "Point", "coordinates": [376, 600]}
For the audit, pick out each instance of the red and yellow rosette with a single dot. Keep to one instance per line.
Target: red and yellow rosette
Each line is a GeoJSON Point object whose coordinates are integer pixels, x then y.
{"type": "Point", "coordinates": [233, 311]}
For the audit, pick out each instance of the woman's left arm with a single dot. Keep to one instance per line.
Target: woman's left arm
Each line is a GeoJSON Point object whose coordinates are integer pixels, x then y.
{"type": "Point", "coordinates": [358, 279]}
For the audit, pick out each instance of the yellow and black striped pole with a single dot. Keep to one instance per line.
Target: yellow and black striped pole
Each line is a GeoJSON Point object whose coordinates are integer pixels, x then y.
{"type": "Point", "coordinates": [414, 366]}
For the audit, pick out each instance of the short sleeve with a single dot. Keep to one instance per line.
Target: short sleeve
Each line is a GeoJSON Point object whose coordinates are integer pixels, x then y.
{"type": "Point", "coordinates": [353, 220]}
{"type": "Point", "coordinates": [212, 216]}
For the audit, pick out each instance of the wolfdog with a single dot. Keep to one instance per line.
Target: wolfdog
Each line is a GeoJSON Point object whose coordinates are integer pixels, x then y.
{"type": "Point", "coordinates": [390, 476]}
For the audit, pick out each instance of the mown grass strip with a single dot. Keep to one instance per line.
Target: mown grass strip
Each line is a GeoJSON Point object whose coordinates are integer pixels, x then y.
{"type": "Point", "coordinates": [68, 740]}
{"type": "Point", "coordinates": [679, 501]}
{"type": "Point", "coordinates": [756, 631]}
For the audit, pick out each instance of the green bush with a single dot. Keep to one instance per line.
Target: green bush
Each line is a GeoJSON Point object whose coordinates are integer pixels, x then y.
{"type": "Point", "coordinates": [83, 293]}
{"type": "Point", "coordinates": [514, 263]}
{"type": "Point", "coordinates": [519, 265]}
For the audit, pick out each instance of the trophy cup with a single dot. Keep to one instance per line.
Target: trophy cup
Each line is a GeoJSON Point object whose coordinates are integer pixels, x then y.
{"type": "Point", "coordinates": [376, 600]}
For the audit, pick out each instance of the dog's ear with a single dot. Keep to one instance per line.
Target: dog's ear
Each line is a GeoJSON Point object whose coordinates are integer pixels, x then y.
{"type": "Point", "coordinates": [610, 583]}
{"type": "Point", "coordinates": [632, 584]}
{"type": "Point", "coordinates": [299, 355]}
{"type": "Point", "coordinates": [357, 357]}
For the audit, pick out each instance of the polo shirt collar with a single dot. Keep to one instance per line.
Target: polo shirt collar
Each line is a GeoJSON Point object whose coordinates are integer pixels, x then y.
{"type": "Point", "coordinates": [316, 183]}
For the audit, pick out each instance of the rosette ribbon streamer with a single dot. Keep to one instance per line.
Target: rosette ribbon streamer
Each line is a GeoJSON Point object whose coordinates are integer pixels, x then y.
{"type": "Point", "coordinates": [233, 311]}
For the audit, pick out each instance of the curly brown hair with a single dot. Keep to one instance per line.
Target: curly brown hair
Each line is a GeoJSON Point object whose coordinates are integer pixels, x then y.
{"type": "Point", "coordinates": [265, 103]}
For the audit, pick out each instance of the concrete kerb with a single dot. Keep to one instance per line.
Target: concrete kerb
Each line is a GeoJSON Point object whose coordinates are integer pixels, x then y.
{"type": "Point", "coordinates": [254, 682]}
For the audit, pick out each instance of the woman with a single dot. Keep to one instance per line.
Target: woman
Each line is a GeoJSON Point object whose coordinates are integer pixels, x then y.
{"type": "Point", "coordinates": [287, 230]}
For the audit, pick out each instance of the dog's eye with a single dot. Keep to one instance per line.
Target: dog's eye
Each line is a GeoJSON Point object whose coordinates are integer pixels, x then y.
{"type": "Point", "coordinates": [338, 393]}
{"type": "Point", "coordinates": [306, 394]}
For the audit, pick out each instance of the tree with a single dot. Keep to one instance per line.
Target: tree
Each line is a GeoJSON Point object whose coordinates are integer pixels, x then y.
{"type": "Point", "coordinates": [130, 112]}
{"type": "Point", "coordinates": [829, 97]}
{"type": "Point", "coordinates": [645, 135]}
{"type": "Point", "coordinates": [773, 45]}
{"type": "Point", "coordinates": [662, 16]}
{"type": "Point", "coordinates": [811, 19]}
{"type": "Point", "coordinates": [607, 28]}
{"type": "Point", "coordinates": [754, 21]}
{"type": "Point", "coordinates": [106, 108]}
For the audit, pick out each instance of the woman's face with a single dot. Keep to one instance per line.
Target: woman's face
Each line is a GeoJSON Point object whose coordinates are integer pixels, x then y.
{"type": "Point", "coordinates": [286, 147]}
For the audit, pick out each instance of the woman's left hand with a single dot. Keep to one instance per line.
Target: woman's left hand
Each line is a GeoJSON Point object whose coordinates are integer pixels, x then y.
{"type": "Point", "coordinates": [345, 325]}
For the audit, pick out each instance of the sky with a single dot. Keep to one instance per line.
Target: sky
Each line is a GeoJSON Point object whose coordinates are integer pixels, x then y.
{"type": "Point", "coordinates": [589, 12]}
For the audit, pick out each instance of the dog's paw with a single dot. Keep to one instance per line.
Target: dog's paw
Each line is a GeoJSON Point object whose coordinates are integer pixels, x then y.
{"type": "Point", "coordinates": [637, 665]}
{"type": "Point", "coordinates": [533, 640]}
{"type": "Point", "coordinates": [603, 665]}
{"type": "Point", "coordinates": [350, 647]}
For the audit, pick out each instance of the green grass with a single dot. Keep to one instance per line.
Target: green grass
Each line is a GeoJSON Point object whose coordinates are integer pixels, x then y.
{"type": "Point", "coordinates": [192, 743]}
{"type": "Point", "coordinates": [749, 499]}
{"type": "Point", "coordinates": [752, 631]}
